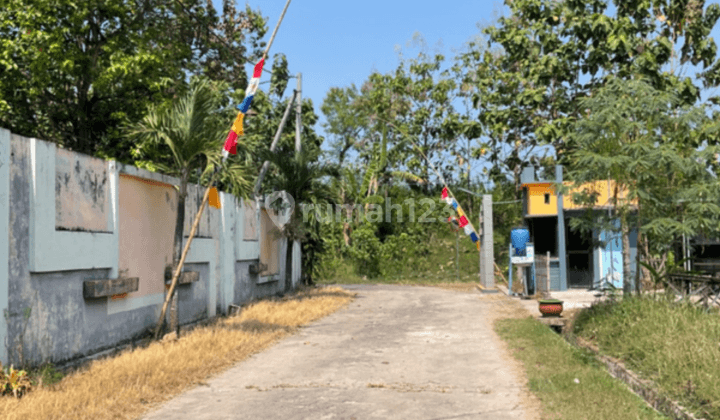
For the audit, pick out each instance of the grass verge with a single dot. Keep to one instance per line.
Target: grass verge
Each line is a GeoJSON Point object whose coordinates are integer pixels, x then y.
{"type": "Point", "coordinates": [130, 384]}
{"type": "Point", "coordinates": [677, 346]}
{"type": "Point", "coordinates": [569, 382]}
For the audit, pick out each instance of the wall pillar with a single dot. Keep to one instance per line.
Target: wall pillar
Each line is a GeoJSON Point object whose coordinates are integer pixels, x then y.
{"type": "Point", "coordinates": [228, 212]}
{"type": "Point", "coordinates": [562, 251]}
{"type": "Point", "coordinates": [487, 252]}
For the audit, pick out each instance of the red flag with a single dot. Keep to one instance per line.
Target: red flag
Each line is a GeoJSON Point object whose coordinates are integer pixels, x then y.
{"type": "Point", "coordinates": [463, 221]}
{"type": "Point", "coordinates": [231, 143]}
{"type": "Point", "coordinates": [258, 68]}
{"type": "Point", "coordinates": [444, 194]}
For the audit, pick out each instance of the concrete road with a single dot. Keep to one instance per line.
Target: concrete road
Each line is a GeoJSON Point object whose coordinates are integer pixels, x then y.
{"type": "Point", "coordinates": [397, 352]}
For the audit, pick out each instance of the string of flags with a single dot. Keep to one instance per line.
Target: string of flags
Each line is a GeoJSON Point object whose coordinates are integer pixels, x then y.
{"type": "Point", "coordinates": [237, 127]}
{"type": "Point", "coordinates": [230, 147]}
{"type": "Point", "coordinates": [462, 219]}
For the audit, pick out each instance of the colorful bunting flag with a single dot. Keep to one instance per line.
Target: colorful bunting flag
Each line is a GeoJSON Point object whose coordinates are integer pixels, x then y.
{"type": "Point", "coordinates": [230, 147]}
{"type": "Point", "coordinates": [461, 221]}
{"type": "Point", "coordinates": [214, 198]}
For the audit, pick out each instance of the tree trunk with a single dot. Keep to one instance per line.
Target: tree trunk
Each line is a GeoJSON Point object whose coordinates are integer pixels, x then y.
{"type": "Point", "coordinates": [308, 256]}
{"type": "Point", "coordinates": [642, 274]}
{"type": "Point", "coordinates": [627, 275]}
{"type": "Point", "coordinates": [288, 266]}
{"type": "Point", "coordinates": [177, 247]}
{"type": "Point", "coordinates": [180, 220]}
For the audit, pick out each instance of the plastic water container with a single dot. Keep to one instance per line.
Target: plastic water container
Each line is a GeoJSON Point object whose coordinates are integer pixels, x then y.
{"type": "Point", "coordinates": [519, 237]}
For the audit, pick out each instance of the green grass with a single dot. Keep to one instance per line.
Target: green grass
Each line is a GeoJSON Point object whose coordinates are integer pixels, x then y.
{"type": "Point", "coordinates": [675, 345]}
{"type": "Point", "coordinates": [46, 374]}
{"type": "Point", "coordinates": [569, 382]}
{"type": "Point", "coordinates": [436, 265]}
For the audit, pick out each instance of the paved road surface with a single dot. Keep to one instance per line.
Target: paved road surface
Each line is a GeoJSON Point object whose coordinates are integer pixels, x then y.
{"type": "Point", "coordinates": [397, 352]}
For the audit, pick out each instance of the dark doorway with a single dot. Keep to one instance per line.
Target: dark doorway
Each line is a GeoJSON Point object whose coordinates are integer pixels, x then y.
{"type": "Point", "coordinates": [579, 258]}
{"type": "Point", "coordinates": [543, 234]}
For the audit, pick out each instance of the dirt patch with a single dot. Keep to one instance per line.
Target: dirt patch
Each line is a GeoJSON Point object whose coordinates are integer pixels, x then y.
{"type": "Point", "coordinates": [456, 287]}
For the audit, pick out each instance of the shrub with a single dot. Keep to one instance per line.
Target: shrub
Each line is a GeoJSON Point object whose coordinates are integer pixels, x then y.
{"type": "Point", "coordinates": [14, 382]}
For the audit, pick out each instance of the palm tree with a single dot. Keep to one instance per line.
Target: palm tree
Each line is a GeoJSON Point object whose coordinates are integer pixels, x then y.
{"type": "Point", "coordinates": [301, 175]}
{"type": "Point", "coordinates": [190, 130]}
{"type": "Point", "coordinates": [191, 133]}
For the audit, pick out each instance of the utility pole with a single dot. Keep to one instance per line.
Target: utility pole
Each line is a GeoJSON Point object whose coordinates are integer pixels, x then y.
{"type": "Point", "coordinates": [274, 143]}
{"type": "Point", "coordinates": [298, 113]}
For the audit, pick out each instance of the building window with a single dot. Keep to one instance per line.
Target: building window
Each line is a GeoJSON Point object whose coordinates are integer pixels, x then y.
{"type": "Point", "coordinates": [547, 198]}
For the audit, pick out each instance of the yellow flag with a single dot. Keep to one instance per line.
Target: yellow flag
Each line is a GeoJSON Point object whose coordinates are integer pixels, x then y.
{"type": "Point", "coordinates": [214, 198]}
{"type": "Point", "coordinates": [237, 126]}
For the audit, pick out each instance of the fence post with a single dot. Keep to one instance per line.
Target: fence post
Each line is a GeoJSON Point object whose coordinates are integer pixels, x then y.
{"type": "Point", "coordinates": [487, 252]}
{"type": "Point", "coordinates": [547, 268]}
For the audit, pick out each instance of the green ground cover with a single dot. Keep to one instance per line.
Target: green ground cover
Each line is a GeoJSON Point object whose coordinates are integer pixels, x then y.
{"type": "Point", "coordinates": [569, 382]}
{"type": "Point", "coordinates": [415, 262]}
{"type": "Point", "coordinates": [675, 345]}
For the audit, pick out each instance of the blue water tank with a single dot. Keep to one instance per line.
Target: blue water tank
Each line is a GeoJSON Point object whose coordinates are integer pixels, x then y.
{"type": "Point", "coordinates": [519, 237]}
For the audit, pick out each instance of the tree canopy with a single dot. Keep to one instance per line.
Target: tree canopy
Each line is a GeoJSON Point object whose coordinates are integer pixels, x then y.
{"type": "Point", "coordinates": [73, 73]}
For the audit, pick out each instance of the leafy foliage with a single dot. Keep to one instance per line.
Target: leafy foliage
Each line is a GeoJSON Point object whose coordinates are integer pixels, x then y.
{"type": "Point", "coordinates": [546, 55]}
{"type": "Point", "coordinates": [189, 134]}
{"type": "Point", "coordinates": [648, 142]}
{"type": "Point", "coordinates": [14, 382]}
{"type": "Point", "coordinates": [73, 72]}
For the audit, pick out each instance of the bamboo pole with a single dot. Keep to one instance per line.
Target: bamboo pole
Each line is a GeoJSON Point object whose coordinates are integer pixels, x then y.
{"type": "Point", "coordinates": [277, 26]}
{"type": "Point", "coordinates": [196, 222]}
{"type": "Point", "coordinates": [178, 269]}
{"type": "Point", "coordinates": [497, 269]}
{"type": "Point", "coordinates": [298, 114]}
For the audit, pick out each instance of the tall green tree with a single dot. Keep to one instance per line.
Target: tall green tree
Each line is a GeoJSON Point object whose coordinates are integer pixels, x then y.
{"type": "Point", "coordinates": [304, 177]}
{"type": "Point", "coordinates": [654, 147]}
{"type": "Point", "coordinates": [402, 114]}
{"type": "Point", "coordinates": [73, 73]}
{"type": "Point", "coordinates": [346, 121]}
{"type": "Point", "coordinates": [545, 55]}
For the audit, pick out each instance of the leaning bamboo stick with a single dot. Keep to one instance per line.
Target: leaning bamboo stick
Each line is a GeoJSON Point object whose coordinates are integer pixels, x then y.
{"type": "Point", "coordinates": [179, 267]}
{"type": "Point", "coordinates": [498, 271]}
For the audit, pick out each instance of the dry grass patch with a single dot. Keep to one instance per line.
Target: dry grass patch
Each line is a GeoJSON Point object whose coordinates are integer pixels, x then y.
{"type": "Point", "coordinates": [126, 386]}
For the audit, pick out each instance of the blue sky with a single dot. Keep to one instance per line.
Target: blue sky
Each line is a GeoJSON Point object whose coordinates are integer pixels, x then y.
{"type": "Point", "coordinates": [336, 43]}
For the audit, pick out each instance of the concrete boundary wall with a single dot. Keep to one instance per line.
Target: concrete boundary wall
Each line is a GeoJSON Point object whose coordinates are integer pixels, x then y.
{"type": "Point", "coordinates": [4, 243]}
{"type": "Point", "coordinates": [47, 252]}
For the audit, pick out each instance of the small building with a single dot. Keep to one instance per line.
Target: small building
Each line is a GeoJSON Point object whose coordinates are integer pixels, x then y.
{"type": "Point", "coordinates": [576, 260]}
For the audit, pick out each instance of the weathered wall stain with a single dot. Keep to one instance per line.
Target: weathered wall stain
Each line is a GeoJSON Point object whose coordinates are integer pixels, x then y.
{"type": "Point", "coordinates": [81, 192]}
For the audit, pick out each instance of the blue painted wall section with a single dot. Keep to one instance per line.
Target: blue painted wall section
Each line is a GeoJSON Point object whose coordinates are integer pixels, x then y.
{"type": "Point", "coordinates": [612, 259]}
{"type": "Point", "coordinates": [42, 269]}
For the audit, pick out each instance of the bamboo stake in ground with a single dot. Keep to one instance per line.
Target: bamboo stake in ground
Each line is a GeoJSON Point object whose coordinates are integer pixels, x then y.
{"type": "Point", "coordinates": [178, 269]}
{"type": "Point", "coordinates": [196, 222]}
{"type": "Point", "coordinates": [497, 269]}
